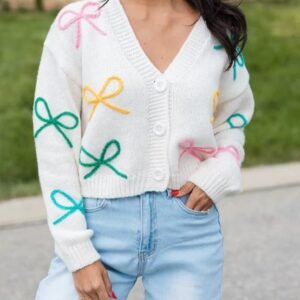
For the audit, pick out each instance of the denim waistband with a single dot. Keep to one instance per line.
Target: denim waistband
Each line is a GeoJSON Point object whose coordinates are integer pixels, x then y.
{"type": "Point", "coordinates": [166, 192]}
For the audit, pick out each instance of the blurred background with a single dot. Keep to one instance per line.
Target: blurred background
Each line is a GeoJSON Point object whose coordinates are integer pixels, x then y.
{"type": "Point", "coordinates": [272, 55]}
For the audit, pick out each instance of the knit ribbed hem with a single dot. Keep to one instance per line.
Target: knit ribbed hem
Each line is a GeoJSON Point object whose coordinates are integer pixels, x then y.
{"type": "Point", "coordinates": [77, 256]}
{"type": "Point", "coordinates": [100, 186]}
{"type": "Point", "coordinates": [211, 179]}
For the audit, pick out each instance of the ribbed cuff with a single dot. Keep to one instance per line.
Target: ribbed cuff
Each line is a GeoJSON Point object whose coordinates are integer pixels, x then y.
{"type": "Point", "coordinates": [78, 255]}
{"type": "Point", "coordinates": [211, 178]}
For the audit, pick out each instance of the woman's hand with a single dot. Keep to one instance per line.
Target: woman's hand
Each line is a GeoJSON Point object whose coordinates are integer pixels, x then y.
{"type": "Point", "coordinates": [198, 199]}
{"type": "Point", "coordinates": [92, 282]}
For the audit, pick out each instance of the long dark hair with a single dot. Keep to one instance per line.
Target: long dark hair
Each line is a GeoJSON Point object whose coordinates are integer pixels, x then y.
{"type": "Point", "coordinates": [225, 20]}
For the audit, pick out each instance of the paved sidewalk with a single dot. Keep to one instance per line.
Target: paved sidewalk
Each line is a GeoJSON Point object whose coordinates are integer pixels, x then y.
{"type": "Point", "coordinates": [261, 229]}
{"type": "Point", "coordinates": [262, 257]}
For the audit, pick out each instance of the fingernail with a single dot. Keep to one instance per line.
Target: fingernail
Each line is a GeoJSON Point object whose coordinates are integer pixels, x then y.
{"type": "Point", "coordinates": [174, 192]}
{"type": "Point", "coordinates": [114, 295]}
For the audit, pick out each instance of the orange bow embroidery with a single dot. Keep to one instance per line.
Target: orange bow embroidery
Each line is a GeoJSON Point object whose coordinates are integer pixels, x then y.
{"type": "Point", "coordinates": [101, 97]}
{"type": "Point", "coordinates": [216, 96]}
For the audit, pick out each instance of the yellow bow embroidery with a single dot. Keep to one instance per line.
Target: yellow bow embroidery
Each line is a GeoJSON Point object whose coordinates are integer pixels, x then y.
{"type": "Point", "coordinates": [101, 96]}
{"type": "Point", "coordinates": [216, 96]}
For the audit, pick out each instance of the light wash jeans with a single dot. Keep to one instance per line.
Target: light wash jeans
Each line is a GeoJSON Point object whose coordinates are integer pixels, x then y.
{"type": "Point", "coordinates": [178, 251]}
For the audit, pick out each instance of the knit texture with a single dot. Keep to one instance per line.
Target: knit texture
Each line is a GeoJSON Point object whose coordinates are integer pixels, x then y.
{"type": "Point", "coordinates": [108, 123]}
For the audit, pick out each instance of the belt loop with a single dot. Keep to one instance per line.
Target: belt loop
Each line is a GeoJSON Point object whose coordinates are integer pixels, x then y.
{"type": "Point", "coordinates": [168, 191]}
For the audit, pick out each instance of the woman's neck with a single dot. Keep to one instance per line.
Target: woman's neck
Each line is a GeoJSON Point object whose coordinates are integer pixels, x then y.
{"type": "Point", "coordinates": [156, 3]}
{"type": "Point", "coordinates": [145, 8]}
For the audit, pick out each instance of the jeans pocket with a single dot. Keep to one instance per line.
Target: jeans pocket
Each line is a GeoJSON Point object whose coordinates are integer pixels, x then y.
{"type": "Point", "coordinates": [181, 204]}
{"type": "Point", "coordinates": [220, 222]}
{"type": "Point", "coordinates": [94, 204]}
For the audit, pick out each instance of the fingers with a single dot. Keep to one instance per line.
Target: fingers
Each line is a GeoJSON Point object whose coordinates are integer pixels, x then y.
{"type": "Point", "coordinates": [89, 296]}
{"type": "Point", "coordinates": [107, 283]}
{"type": "Point", "coordinates": [95, 297]}
{"type": "Point", "coordinates": [185, 189]}
{"type": "Point", "coordinates": [203, 204]}
{"type": "Point", "coordinates": [93, 283]}
{"type": "Point", "coordinates": [84, 297]}
{"type": "Point", "coordinates": [95, 291]}
{"type": "Point", "coordinates": [102, 295]}
{"type": "Point", "coordinates": [197, 200]}
{"type": "Point", "coordinates": [209, 205]}
{"type": "Point", "coordinates": [101, 291]}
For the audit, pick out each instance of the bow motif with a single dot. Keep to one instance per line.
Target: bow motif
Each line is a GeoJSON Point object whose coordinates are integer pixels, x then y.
{"type": "Point", "coordinates": [77, 17]}
{"type": "Point", "coordinates": [216, 96]}
{"type": "Point", "coordinates": [187, 146]}
{"type": "Point", "coordinates": [50, 120]}
{"type": "Point", "coordinates": [103, 160]}
{"type": "Point", "coordinates": [239, 61]}
{"type": "Point", "coordinates": [70, 208]}
{"type": "Point", "coordinates": [201, 153]}
{"type": "Point", "coordinates": [101, 96]}
{"type": "Point", "coordinates": [237, 116]}
{"type": "Point", "coordinates": [233, 150]}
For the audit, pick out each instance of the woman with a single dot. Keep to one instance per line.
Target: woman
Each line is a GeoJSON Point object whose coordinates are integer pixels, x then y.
{"type": "Point", "coordinates": [139, 116]}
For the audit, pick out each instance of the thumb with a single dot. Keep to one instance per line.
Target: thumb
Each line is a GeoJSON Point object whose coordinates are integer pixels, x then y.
{"type": "Point", "coordinates": [185, 189]}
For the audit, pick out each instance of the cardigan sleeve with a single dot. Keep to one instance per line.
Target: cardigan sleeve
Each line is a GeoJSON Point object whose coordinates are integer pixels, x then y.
{"type": "Point", "coordinates": [57, 136]}
{"type": "Point", "coordinates": [220, 174]}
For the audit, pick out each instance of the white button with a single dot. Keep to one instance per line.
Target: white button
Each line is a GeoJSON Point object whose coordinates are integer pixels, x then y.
{"type": "Point", "coordinates": [158, 174]}
{"type": "Point", "coordinates": [159, 128]}
{"type": "Point", "coordinates": [160, 84]}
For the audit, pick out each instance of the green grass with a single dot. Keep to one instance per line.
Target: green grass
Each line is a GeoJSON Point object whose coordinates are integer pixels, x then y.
{"type": "Point", "coordinates": [272, 57]}
{"type": "Point", "coordinates": [19, 189]}
{"type": "Point", "coordinates": [21, 38]}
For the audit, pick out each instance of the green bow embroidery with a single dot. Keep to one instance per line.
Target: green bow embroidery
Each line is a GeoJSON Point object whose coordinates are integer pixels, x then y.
{"type": "Point", "coordinates": [239, 61]}
{"type": "Point", "coordinates": [71, 209]}
{"type": "Point", "coordinates": [50, 120]}
{"type": "Point", "coordinates": [239, 116]}
{"type": "Point", "coordinates": [98, 162]}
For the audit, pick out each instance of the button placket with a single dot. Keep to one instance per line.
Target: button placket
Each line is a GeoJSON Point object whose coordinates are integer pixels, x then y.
{"type": "Point", "coordinates": [160, 84]}
{"type": "Point", "coordinates": [159, 128]}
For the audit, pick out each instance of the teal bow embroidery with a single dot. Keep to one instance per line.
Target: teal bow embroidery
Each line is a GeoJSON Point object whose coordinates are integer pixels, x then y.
{"type": "Point", "coordinates": [103, 160]}
{"type": "Point", "coordinates": [70, 209]}
{"type": "Point", "coordinates": [237, 116]}
{"type": "Point", "coordinates": [50, 120]}
{"type": "Point", "coordinates": [239, 61]}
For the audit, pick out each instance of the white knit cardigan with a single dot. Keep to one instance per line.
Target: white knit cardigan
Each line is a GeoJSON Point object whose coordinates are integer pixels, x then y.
{"type": "Point", "coordinates": [108, 123]}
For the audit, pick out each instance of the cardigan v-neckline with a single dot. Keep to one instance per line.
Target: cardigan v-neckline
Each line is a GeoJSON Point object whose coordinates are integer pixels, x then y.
{"type": "Point", "coordinates": [185, 57]}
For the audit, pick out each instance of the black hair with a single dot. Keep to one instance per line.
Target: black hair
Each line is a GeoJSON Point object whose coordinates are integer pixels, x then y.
{"type": "Point", "coordinates": [225, 20]}
{"type": "Point", "coordinates": [222, 18]}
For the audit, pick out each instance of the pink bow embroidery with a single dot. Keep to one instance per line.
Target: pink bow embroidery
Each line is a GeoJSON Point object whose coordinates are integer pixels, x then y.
{"type": "Point", "coordinates": [232, 150]}
{"type": "Point", "coordinates": [77, 18]}
{"type": "Point", "coordinates": [201, 153]}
